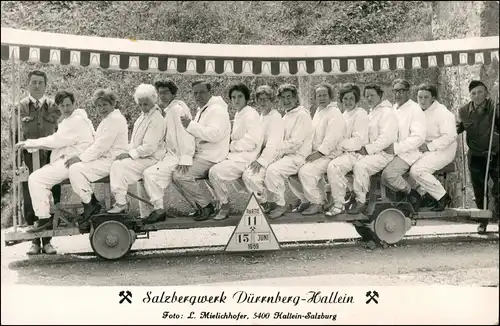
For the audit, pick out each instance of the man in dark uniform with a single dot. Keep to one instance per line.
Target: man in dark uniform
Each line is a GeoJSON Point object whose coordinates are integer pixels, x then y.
{"type": "Point", "coordinates": [476, 118]}
{"type": "Point", "coordinates": [39, 116]}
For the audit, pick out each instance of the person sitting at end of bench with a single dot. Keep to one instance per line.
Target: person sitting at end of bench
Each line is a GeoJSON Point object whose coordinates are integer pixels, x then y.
{"type": "Point", "coordinates": [111, 140]}
{"type": "Point", "coordinates": [296, 146]}
{"type": "Point", "coordinates": [212, 131]}
{"type": "Point", "coordinates": [179, 146]}
{"type": "Point", "coordinates": [328, 130]}
{"type": "Point", "coordinates": [145, 147]}
{"type": "Point", "coordinates": [439, 149]}
{"type": "Point", "coordinates": [382, 131]}
{"type": "Point", "coordinates": [273, 129]}
{"type": "Point", "coordinates": [245, 145]}
{"type": "Point", "coordinates": [74, 135]}
{"type": "Point", "coordinates": [412, 128]}
{"type": "Point", "coordinates": [354, 138]}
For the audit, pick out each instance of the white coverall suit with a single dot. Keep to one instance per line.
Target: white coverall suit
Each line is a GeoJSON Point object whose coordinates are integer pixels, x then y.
{"type": "Point", "coordinates": [246, 142]}
{"type": "Point", "coordinates": [180, 147]}
{"type": "Point", "coordinates": [442, 144]}
{"type": "Point", "coordinates": [273, 129]}
{"type": "Point", "coordinates": [412, 128]}
{"type": "Point", "coordinates": [329, 128]}
{"type": "Point", "coordinates": [211, 128]}
{"type": "Point", "coordinates": [74, 135]}
{"type": "Point", "coordinates": [111, 139]}
{"type": "Point", "coordinates": [146, 148]}
{"type": "Point", "coordinates": [382, 132]}
{"type": "Point", "coordinates": [296, 146]}
{"type": "Point", "coordinates": [356, 136]}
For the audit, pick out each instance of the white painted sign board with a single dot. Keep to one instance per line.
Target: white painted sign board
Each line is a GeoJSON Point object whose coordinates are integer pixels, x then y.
{"type": "Point", "coordinates": [253, 232]}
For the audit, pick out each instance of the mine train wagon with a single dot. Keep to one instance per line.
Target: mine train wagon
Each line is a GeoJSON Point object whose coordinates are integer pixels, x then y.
{"type": "Point", "coordinates": [384, 223]}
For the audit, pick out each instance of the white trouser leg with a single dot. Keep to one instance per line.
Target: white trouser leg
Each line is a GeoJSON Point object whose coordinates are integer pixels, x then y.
{"type": "Point", "coordinates": [422, 171]}
{"type": "Point", "coordinates": [392, 175]}
{"type": "Point", "coordinates": [255, 183]}
{"type": "Point", "coordinates": [126, 172]}
{"type": "Point", "coordinates": [223, 172]}
{"type": "Point", "coordinates": [311, 177]}
{"type": "Point", "coordinates": [40, 184]}
{"type": "Point", "coordinates": [158, 177]}
{"type": "Point", "coordinates": [81, 175]}
{"type": "Point", "coordinates": [337, 170]}
{"type": "Point", "coordinates": [296, 188]}
{"type": "Point", "coordinates": [364, 169]}
{"type": "Point", "coordinates": [277, 174]}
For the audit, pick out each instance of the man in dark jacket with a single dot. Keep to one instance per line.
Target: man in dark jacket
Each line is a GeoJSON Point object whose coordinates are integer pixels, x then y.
{"type": "Point", "coordinates": [39, 116]}
{"type": "Point", "coordinates": [476, 118]}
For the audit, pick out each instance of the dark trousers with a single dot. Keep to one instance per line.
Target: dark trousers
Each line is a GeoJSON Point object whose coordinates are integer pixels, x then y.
{"type": "Point", "coordinates": [29, 213]}
{"type": "Point", "coordinates": [477, 168]}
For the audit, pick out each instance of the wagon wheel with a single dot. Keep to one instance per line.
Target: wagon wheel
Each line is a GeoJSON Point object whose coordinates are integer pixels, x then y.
{"type": "Point", "coordinates": [390, 226]}
{"type": "Point", "coordinates": [111, 240]}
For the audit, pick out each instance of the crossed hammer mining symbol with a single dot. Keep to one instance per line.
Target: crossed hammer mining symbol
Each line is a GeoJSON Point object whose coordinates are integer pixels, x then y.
{"type": "Point", "coordinates": [372, 296]}
{"type": "Point", "coordinates": [125, 295]}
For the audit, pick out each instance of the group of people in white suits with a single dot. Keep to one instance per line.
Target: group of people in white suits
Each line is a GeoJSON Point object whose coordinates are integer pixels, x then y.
{"type": "Point", "coordinates": [263, 148]}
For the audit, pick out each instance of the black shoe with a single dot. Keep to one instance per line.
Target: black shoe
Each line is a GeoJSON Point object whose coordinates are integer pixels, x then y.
{"type": "Point", "coordinates": [357, 208]}
{"type": "Point", "coordinates": [155, 216]}
{"type": "Point", "coordinates": [206, 213]}
{"type": "Point", "coordinates": [444, 202]}
{"type": "Point", "coordinates": [267, 207]}
{"type": "Point", "coordinates": [428, 201]}
{"type": "Point", "coordinates": [415, 199]}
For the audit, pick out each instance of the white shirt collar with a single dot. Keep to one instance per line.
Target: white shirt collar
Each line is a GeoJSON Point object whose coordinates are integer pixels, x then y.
{"type": "Point", "coordinates": [42, 100]}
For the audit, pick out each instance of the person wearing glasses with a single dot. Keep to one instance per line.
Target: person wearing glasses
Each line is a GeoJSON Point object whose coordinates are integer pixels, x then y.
{"type": "Point", "coordinates": [438, 150]}
{"type": "Point", "coordinates": [412, 127]}
{"type": "Point", "coordinates": [144, 149]}
{"type": "Point", "coordinates": [476, 118]}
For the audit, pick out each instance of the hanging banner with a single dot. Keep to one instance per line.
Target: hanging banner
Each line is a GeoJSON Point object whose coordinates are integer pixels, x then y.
{"type": "Point", "coordinates": [242, 60]}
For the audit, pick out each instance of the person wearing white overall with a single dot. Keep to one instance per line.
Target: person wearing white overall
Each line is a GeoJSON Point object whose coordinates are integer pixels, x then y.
{"type": "Point", "coordinates": [95, 162]}
{"type": "Point", "coordinates": [145, 147]}
{"type": "Point", "coordinates": [382, 131]}
{"type": "Point", "coordinates": [412, 128]}
{"type": "Point", "coordinates": [246, 142]}
{"type": "Point", "coordinates": [355, 137]}
{"type": "Point", "coordinates": [273, 129]}
{"type": "Point", "coordinates": [74, 135]}
{"type": "Point", "coordinates": [296, 146]}
{"type": "Point", "coordinates": [179, 146]}
{"type": "Point", "coordinates": [328, 130]}
{"type": "Point", "coordinates": [439, 149]}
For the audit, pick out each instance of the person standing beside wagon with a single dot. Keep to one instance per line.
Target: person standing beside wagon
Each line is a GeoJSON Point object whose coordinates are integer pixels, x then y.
{"type": "Point", "coordinates": [476, 118]}
{"type": "Point", "coordinates": [39, 115]}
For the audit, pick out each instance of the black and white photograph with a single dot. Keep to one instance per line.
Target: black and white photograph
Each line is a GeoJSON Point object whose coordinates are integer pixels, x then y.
{"type": "Point", "coordinates": [250, 162]}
